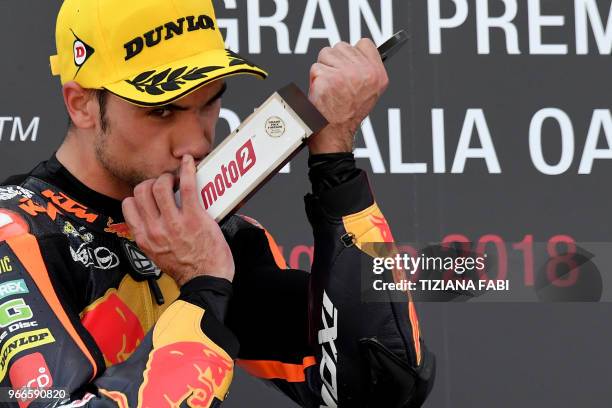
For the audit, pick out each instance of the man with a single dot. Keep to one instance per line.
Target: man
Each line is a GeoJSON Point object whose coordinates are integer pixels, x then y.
{"type": "Point", "coordinates": [83, 236]}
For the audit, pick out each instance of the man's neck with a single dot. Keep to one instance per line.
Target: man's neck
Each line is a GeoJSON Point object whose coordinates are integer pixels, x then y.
{"type": "Point", "coordinates": [79, 158]}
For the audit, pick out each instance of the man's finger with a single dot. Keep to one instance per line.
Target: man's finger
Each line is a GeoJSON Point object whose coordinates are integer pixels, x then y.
{"type": "Point", "coordinates": [145, 202]}
{"type": "Point", "coordinates": [349, 52]}
{"type": "Point", "coordinates": [331, 58]}
{"type": "Point", "coordinates": [187, 184]}
{"type": "Point", "coordinates": [368, 49]}
{"type": "Point", "coordinates": [164, 196]}
{"type": "Point", "coordinates": [317, 70]}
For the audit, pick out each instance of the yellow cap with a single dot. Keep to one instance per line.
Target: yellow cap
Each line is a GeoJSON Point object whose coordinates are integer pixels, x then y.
{"type": "Point", "coordinates": [148, 52]}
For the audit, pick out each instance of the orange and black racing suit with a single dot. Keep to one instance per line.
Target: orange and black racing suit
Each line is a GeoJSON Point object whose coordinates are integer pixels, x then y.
{"type": "Point", "coordinates": [85, 315]}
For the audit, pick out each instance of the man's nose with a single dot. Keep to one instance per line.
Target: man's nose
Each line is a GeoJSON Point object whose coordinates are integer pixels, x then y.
{"type": "Point", "coordinates": [194, 137]}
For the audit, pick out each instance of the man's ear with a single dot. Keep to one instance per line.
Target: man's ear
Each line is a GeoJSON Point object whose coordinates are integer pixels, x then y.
{"type": "Point", "coordinates": [81, 105]}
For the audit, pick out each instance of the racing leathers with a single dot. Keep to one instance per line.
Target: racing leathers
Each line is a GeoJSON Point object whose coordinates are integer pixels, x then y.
{"type": "Point", "coordinates": [85, 314]}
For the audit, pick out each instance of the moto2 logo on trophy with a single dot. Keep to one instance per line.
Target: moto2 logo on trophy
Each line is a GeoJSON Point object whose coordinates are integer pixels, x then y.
{"type": "Point", "coordinates": [229, 174]}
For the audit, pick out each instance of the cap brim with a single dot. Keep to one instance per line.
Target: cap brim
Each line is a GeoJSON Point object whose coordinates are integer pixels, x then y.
{"type": "Point", "coordinates": [164, 84]}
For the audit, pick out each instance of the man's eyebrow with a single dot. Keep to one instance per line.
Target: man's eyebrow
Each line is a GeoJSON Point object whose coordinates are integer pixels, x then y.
{"type": "Point", "coordinates": [172, 107]}
{"type": "Point", "coordinates": [218, 95]}
{"type": "Point", "coordinates": [175, 107]}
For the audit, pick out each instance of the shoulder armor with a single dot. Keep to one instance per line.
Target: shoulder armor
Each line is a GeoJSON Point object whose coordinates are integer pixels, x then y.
{"type": "Point", "coordinates": [12, 221]}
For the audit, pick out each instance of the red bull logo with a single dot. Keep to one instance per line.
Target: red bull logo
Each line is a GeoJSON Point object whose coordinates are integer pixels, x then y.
{"type": "Point", "coordinates": [381, 223]}
{"type": "Point", "coordinates": [229, 174]}
{"type": "Point", "coordinates": [120, 229]}
{"type": "Point", "coordinates": [115, 327]}
{"type": "Point", "coordinates": [183, 371]}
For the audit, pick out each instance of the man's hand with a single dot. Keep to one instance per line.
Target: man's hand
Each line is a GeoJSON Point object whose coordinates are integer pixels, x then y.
{"type": "Point", "coordinates": [184, 242]}
{"type": "Point", "coordinates": [345, 84]}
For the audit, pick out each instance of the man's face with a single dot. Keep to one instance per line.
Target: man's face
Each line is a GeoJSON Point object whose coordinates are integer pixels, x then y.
{"type": "Point", "coordinates": [143, 143]}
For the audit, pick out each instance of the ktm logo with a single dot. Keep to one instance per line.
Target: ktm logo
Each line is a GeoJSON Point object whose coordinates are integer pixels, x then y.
{"type": "Point", "coordinates": [229, 174]}
{"type": "Point", "coordinates": [166, 32]}
{"type": "Point", "coordinates": [57, 200]}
